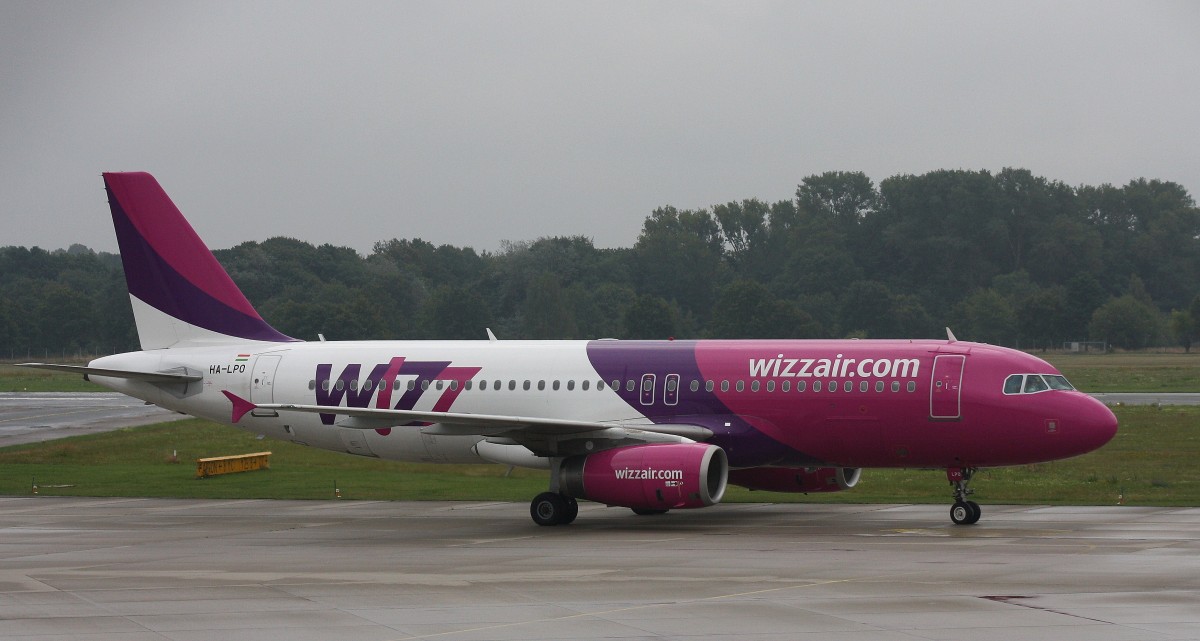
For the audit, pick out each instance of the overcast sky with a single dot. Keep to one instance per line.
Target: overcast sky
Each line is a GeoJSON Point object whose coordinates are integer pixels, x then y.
{"type": "Point", "coordinates": [471, 123]}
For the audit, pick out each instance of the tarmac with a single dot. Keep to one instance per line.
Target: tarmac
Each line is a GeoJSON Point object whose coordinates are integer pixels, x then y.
{"type": "Point", "coordinates": [33, 417]}
{"type": "Point", "coordinates": [134, 569]}
{"type": "Point", "coordinates": [142, 569]}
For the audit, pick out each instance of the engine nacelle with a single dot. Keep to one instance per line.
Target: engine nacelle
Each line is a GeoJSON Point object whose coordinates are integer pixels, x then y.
{"type": "Point", "coordinates": [797, 479]}
{"type": "Point", "coordinates": [655, 476]}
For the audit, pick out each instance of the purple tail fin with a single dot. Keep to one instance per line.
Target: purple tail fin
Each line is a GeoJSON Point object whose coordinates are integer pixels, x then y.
{"type": "Point", "coordinates": [180, 293]}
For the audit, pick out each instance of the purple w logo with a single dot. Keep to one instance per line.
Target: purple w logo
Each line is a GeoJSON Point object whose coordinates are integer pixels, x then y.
{"type": "Point", "coordinates": [358, 391]}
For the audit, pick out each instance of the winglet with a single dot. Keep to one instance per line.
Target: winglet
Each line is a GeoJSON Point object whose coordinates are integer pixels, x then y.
{"type": "Point", "coordinates": [240, 405]}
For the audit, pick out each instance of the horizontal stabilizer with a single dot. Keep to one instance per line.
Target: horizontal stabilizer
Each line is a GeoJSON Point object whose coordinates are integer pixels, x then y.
{"type": "Point", "coordinates": [149, 377]}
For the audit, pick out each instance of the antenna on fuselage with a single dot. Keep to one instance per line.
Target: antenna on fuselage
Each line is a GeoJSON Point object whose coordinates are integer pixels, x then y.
{"type": "Point", "coordinates": [491, 336]}
{"type": "Point", "coordinates": [950, 335]}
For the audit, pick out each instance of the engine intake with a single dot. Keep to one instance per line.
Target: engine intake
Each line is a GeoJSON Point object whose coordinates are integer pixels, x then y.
{"type": "Point", "coordinates": [797, 479]}
{"type": "Point", "coordinates": [655, 476]}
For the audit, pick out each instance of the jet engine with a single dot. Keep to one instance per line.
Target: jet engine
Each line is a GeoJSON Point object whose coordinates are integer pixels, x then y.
{"type": "Point", "coordinates": [797, 479]}
{"type": "Point", "coordinates": [654, 477]}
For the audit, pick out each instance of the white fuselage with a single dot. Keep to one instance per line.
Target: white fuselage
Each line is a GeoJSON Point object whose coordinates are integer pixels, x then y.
{"type": "Point", "coordinates": [551, 379]}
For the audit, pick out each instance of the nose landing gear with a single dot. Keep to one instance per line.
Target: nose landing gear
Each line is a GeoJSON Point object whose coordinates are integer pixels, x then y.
{"type": "Point", "coordinates": [963, 512]}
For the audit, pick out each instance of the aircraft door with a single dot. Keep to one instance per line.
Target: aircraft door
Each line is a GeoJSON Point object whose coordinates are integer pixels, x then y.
{"type": "Point", "coordinates": [648, 384]}
{"type": "Point", "coordinates": [671, 390]}
{"type": "Point", "coordinates": [945, 391]}
{"type": "Point", "coordinates": [262, 383]}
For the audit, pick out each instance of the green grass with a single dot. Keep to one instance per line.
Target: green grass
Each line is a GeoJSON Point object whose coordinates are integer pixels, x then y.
{"type": "Point", "coordinates": [25, 379]}
{"type": "Point", "coordinates": [1130, 372]}
{"type": "Point", "coordinates": [1150, 462]}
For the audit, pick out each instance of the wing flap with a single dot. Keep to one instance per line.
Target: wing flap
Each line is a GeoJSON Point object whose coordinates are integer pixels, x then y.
{"type": "Point", "coordinates": [484, 424]}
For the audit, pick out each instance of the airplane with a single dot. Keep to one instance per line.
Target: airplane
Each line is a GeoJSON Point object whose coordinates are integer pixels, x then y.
{"type": "Point", "coordinates": [647, 425]}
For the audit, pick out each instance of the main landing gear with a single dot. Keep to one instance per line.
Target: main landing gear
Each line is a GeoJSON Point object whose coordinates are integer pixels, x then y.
{"type": "Point", "coordinates": [552, 508]}
{"type": "Point", "coordinates": [963, 512]}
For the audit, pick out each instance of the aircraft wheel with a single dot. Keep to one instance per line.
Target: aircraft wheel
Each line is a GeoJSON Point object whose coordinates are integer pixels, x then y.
{"type": "Point", "coordinates": [647, 511]}
{"type": "Point", "coordinates": [572, 510]}
{"type": "Point", "coordinates": [961, 513]}
{"type": "Point", "coordinates": [549, 508]}
{"type": "Point", "coordinates": [976, 512]}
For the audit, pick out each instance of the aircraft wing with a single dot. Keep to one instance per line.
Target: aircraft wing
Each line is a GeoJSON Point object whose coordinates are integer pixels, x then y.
{"type": "Point", "coordinates": [466, 423]}
{"type": "Point", "coordinates": [150, 377]}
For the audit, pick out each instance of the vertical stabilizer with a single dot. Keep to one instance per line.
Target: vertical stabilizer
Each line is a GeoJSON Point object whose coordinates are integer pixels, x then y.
{"type": "Point", "coordinates": [180, 293]}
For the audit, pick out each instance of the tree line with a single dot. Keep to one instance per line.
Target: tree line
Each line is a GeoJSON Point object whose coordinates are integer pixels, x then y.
{"type": "Point", "coordinates": [1008, 258]}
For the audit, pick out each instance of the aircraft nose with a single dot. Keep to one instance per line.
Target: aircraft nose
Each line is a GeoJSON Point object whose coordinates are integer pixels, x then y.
{"type": "Point", "coordinates": [1099, 425]}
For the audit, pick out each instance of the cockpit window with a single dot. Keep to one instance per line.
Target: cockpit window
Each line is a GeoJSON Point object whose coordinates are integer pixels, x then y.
{"type": "Point", "coordinates": [1033, 383]}
{"type": "Point", "coordinates": [1057, 382]}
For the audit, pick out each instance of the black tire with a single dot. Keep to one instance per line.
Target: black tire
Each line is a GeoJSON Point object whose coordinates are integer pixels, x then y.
{"type": "Point", "coordinates": [647, 511]}
{"type": "Point", "coordinates": [961, 513]}
{"type": "Point", "coordinates": [976, 512]}
{"type": "Point", "coordinates": [572, 510]}
{"type": "Point", "coordinates": [548, 508]}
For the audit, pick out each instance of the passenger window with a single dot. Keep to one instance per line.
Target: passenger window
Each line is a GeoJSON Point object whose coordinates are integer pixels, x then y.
{"type": "Point", "coordinates": [741, 386]}
{"type": "Point", "coordinates": [512, 385]}
{"type": "Point", "coordinates": [831, 386]}
{"type": "Point", "coordinates": [895, 386]}
{"type": "Point", "coordinates": [325, 385]}
{"type": "Point", "coordinates": [570, 385]}
{"type": "Point", "coordinates": [396, 386]}
{"type": "Point", "coordinates": [629, 385]}
{"type": "Point", "coordinates": [412, 384]}
{"type": "Point", "coordinates": [353, 384]}
{"type": "Point", "coordinates": [467, 385]}
{"type": "Point", "coordinates": [453, 386]}
{"type": "Point", "coordinates": [878, 386]}
{"type": "Point", "coordinates": [786, 387]}
{"type": "Point", "coordinates": [770, 386]}
{"type": "Point", "coordinates": [1012, 384]}
{"type": "Point", "coordinates": [1034, 383]}
{"type": "Point", "coordinates": [849, 386]}
{"type": "Point", "coordinates": [496, 384]}
{"type": "Point", "coordinates": [599, 386]}
{"type": "Point", "coordinates": [367, 385]}
{"type": "Point", "coordinates": [424, 386]}
{"type": "Point", "coordinates": [724, 386]}
{"type": "Point", "coordinates": [541, 385]}
{"type": "Point", "coordinates": [695, 386]}
{"type": "Point", "coordinates": [912, 386]}
{"type": "Point", "coordinates": [525, 386]}
{"type": "Point", "coordinates": [647, 384]}
{"type": "Point", "coordinates": [584, 385]}
{"type": "Point", "coordinates": [801, 385]}
{"type": "Point", "coordinates": [616, 384]}
{"type": "Point", "coordinates": [708, 386]}
{"type": "Point", "coordinates": [340, 385]}
{"type": "Point", "coordinates": [439, 384]}
{"type": "Point", "coordinates": [555, 385]}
